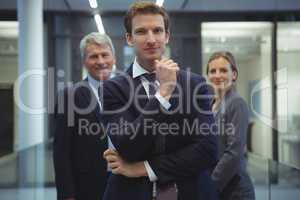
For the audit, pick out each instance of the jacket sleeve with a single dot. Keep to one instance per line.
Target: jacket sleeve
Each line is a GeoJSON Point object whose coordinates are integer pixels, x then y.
{"type": "Point", "coordinates": [130, 132]}
{"type": "Point", "coordinates": [62, 148]}
{"type": "Point", "coordinates": [198, 156]}
{"type": "Point", "coordinates": [235, 132]}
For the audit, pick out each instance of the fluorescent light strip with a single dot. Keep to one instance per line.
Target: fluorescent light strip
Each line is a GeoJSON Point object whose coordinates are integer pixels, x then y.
{"type": "Point", "coordinates": [160, 2]}
{"type": "Point", "coordinates": [99, 24]}
{"type": "Point", "coordinates": [93, 3]}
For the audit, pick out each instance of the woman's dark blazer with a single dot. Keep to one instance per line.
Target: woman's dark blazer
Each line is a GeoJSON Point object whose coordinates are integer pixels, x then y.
{"type": "Point", "coordinates": [230, 174]}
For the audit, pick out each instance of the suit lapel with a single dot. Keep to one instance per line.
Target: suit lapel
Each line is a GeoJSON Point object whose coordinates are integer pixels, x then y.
{"type": "Point", "coordinates": [139, 90]}
{"type": "Point", "coordinates": [88, 94]}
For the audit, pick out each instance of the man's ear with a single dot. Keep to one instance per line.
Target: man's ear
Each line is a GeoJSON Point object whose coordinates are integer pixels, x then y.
{"type": "Point", "coordinates": [129, 39]}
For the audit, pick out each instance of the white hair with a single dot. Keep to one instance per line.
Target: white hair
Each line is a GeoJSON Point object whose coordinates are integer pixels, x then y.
{"type": "Point", "coordinates": [96, 38]}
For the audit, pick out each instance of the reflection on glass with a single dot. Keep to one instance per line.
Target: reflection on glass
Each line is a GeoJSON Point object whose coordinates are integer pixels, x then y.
{"type": "Point", "coordinates": [288, 91]}
{"type": "Point", "coordinates": [250, 42]}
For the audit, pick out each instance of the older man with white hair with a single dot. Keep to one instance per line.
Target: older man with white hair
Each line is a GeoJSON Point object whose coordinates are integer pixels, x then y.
{"type": "Point", "coordinates": [80, 171]}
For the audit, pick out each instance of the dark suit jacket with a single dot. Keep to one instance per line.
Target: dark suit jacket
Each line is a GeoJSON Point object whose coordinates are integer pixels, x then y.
{"type": "Point", "coordinates": [186, 153]}
{"type": "Point", "coordinates": [80, 170]}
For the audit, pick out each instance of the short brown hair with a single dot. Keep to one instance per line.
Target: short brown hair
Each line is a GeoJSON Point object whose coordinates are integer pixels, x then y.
{"type": "Point", "coordinates": [227, 56]}
{"type": "Point", "coordinates": [144, 7]}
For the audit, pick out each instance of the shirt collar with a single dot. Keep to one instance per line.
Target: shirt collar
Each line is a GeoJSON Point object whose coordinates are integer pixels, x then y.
{"type": "Point", "coordinates": [137, 69]}
{"type": "Point", "coordinates": [93, 81]}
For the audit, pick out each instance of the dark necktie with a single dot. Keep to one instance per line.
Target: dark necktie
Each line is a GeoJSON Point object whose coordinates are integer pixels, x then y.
{"type": "Point", "coordinates": [152, 85]}
{"type": "Point", "coordinates": [160, 141]}
{"type": "Point", "coordinates": [168, 192]}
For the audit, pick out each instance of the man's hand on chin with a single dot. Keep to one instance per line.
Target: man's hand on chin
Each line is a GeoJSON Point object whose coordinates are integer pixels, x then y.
{"type": "Point", "coordinates": [166, 73]}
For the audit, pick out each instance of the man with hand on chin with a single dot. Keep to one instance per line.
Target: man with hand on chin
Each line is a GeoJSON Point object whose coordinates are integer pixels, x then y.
{"type": "Point", "coordinates": [149, 112]}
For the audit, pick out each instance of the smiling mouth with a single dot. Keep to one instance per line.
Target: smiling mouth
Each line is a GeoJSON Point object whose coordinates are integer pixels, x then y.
{"type": "Point", "coordinates": [219, 83]}
{"type": "Point", "coordinates": [102, 67]}
{"type": "Point", "coordinates": [151, 49]}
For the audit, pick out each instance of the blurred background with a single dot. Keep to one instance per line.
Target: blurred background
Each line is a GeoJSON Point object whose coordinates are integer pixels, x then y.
{"type": "Point", "coordinates": [39, 52]}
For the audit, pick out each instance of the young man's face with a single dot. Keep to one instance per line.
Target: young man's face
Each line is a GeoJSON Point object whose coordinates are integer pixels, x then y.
{"type": "Point", "coordinates": [148, 37]}
{"type": "Point", "coordinates": [99, 61]}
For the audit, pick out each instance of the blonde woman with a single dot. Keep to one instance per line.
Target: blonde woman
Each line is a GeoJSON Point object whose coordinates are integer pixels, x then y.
{"type": "Point", "coordinates": [231, 114]}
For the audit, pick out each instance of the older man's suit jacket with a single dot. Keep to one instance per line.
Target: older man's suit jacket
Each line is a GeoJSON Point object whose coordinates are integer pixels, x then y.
{"type": "Point", "coordinates": [80, 169]}
{"type": "Point", "coordinates": [135, 135]}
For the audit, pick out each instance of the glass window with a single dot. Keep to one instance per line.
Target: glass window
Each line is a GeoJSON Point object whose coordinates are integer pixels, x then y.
{"type": "Point", "coordinates": [8, 74]}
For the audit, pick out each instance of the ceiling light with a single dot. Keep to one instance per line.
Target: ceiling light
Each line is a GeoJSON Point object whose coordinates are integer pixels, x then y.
{"type": "Point", "coordinates": [99, 23]}
{"type": "Point", "coordinates": [160, 2]}
{"type": "Point", "coordinates": [93, 3]}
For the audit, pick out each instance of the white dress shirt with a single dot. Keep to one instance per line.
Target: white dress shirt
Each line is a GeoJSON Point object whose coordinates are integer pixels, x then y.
{"type": "Point", "coordinates": [138, 70]}
{"type": "Point", "coordinates": [94, 84]}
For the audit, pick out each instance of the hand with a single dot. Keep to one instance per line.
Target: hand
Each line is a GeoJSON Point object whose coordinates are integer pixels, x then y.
{"type": "Point", "coordinates": [121, 167]}
{"type": "Point", "coordinates": [166, 70]}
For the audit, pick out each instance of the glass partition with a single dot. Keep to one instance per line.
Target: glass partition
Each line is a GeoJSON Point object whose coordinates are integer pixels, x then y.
{"type": "Point", "coordinates": [258, 170]}
{"type": "Point", "coordinates": [28, 174]}
{"type": "Point", "coordinates": [288, 92]}
{"type": "Point", "coordinates": [20, 176]}
{"type": "Point", "coordinates": [250, 43]}
{"type": "Point", "coordinates": [288, 184]}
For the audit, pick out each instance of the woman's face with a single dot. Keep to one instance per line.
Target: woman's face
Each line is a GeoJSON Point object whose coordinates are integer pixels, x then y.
{"type": "Point", "coordinates": [220, 74]}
